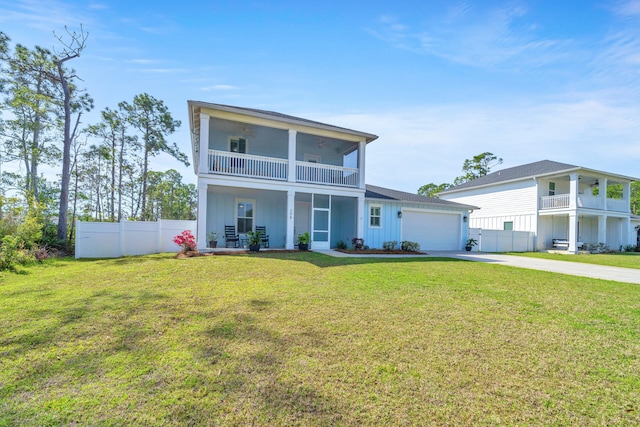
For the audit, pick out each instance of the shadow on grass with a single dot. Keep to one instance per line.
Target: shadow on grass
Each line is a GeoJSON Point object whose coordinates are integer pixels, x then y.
{"type": "Point", "coordinates": [252, 358]}
{"type": "Point", "coordinates": [324, 261]}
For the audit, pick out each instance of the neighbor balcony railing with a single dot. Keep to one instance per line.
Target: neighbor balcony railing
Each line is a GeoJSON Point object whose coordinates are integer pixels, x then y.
{"type": "Point", "coordinates": [238, 164]}
{"type": "Point", "coordinates": [554, 202]}
{"type": "Point", "coordinates": [561, 201]}
{"type": "Point", "coordinates": [316, 173]}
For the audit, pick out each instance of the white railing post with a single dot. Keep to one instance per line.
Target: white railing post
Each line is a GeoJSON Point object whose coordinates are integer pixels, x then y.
{"type": "Point", "coordinates": [203, 166]}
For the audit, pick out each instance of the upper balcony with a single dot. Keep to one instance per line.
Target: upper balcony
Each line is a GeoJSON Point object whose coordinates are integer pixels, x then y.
{"type": "Point", "coordinates": [252, 166]}
{"type": "Point", "coordinates": [270, 150]}
{"type": "Point", "coordinates": [562, 201]}
{"type": "Point", "coordinates": [584, 191]}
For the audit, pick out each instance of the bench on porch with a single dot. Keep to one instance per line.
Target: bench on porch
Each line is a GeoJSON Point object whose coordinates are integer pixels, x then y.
{"type": "Point", "coordinates": [560, 243]}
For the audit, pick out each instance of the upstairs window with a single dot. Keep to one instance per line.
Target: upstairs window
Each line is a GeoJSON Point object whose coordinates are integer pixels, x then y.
{"type": "Point", "coordinates": [237, 145]}
{"type": "Point", "coordinates": [552, 188]}
{"type": "Point", "coordinates": [507, 225]}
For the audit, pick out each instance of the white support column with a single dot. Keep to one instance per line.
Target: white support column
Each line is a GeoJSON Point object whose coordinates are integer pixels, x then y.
{"type": "Point", "coordinates": [602, 192]}
{"type": "Point", "coordinates": [573, 232]}
{"type": "Point", "coordinates": [203, 163]}
{"type": "Point", "coordinates": [291, 202]}
{"type": "Point", "coordinates": [202, 217]}
{"type": "Point", "coordinates": [573, 190]}
{"type": "Point", "coordinates": [292, 156]}
{"type": "Point", "coordinates": [360, 217]}
{"type": "Point", "coordinates": [361, 162]}
{"type": "Point", "coordinates": [630, 239]}
{"type": "Point", "coordinates": [626, 195]}
{"type": "Point", "coordinates": [602, 229]}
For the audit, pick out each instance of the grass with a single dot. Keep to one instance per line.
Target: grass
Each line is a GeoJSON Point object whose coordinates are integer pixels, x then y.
{"type": "Point", "coordinates": [620, 259]}
{"type": "Point", "coordinates": [306, 339]}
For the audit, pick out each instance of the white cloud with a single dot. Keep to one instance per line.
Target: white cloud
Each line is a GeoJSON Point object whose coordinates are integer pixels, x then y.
{"type": "Point", "coordinates": [218, 88]}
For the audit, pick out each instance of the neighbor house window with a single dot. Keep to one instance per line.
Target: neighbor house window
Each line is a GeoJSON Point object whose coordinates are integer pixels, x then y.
{"type": "Point", "coordinates": [552, 188]}
{"type": "Point", "coordinates": [508, 225]}
{"type": "Point", "coordinates": [245, 211]}
{"type": "Point", "coordinates": [237, 145]}
{"type": "Point", "coordinates": [374, 216]}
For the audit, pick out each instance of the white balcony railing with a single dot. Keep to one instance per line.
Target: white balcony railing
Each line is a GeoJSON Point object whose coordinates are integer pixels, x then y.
{"type": "Point", "coordinates": [554, 202]}
{"type": "Point", "coordinates": [561, 201]}
{"type": "Point", "coordinates": [238, 164]}
{"type": "Point", "coordinates": [592, 202]}
{"type": "Point", "coordinates": [316, 173]}
{"type": "Point", "coordinates": [617, 205]}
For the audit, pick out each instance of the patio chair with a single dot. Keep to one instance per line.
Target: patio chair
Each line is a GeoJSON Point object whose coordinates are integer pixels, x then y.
{"type": "Point", "coordinates": [264, 237]}
{"type": "Point", "coordinates": [230, 236]}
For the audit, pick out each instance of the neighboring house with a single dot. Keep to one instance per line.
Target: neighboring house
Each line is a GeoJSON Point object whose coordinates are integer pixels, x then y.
{"type": "Point", "coordinates": [554, 200]}
{"type": "Point", "coordinates": [293, 175]}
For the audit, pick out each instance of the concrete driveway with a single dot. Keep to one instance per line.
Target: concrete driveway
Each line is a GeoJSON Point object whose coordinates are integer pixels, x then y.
{"type": "Point", "coordinates": [628, 275]}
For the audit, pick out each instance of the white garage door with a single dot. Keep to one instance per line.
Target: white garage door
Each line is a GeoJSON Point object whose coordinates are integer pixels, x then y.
{"type": "Point", "coordinates": [434, 231]}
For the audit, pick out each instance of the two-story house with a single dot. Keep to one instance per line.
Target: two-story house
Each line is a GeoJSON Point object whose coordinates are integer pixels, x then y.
{"type": "Point", "coordinates": [556, 201]}
{"type": "Point", "coordinates": [294, 175]}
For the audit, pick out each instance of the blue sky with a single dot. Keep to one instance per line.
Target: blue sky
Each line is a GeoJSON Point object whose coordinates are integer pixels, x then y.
{"type": "Point", "coordinates": [438, 81]}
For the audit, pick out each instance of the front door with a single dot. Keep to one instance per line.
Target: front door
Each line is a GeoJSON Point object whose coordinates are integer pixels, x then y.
{"type": "Point", "coordinates": [320, 221]}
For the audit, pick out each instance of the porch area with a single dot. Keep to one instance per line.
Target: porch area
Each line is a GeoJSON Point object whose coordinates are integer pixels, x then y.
{"type": "Point", "coordinates": [285, 214]}
{"type": "Point", "coordinates": [573, 233]}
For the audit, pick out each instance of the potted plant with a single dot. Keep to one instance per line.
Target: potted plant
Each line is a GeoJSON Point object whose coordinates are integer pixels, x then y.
{"type": "Point", "coordinates": [213, 239]}
{"type": "Point", "coordinates": [471, 242]}
{"type": "Point", "coordinates": [303, 241]}
{"type": "Point", "coordinates": [254, 240]}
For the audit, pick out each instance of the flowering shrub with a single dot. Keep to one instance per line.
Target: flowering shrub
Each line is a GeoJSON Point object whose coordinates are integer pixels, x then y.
{"type": "Point", "coordinates": [186, 241]}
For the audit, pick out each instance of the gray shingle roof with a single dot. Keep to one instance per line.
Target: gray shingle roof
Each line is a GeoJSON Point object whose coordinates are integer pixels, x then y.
{"type": "Point", "coordinates": [374, 192]}
{"type": "Point", "coordinates": [542, 167]}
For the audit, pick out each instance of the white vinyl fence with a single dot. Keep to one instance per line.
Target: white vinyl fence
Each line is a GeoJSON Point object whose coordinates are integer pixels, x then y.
{"type": "Point", "coordinates": [116, 239]}
{"type": "Point", "coordinates": [502, 240]}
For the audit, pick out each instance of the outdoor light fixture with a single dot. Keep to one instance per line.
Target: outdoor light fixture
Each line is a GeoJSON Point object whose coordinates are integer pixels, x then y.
{"type": "Point", "coordinates": [399, 214]}
{"type": "Point", "coordinates": [465, 218]}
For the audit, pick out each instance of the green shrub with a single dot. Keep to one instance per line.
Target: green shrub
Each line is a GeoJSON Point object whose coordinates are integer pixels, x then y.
{"type": "Point", "coordinates": [389, 245]}
{"type": "Point", "coordinates": [341, 244]}
{"type": "Point", "coordinates": [410, 246]}
{"type": "Point", "coordinates": [18, 247]}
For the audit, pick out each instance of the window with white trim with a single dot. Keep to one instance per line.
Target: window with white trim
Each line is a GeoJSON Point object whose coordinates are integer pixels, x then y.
{"type": "Point", "coordinates": [508, 225]}
{"type": "Point", "coordinates": [245, 213]}
{"type": "Point", "coordinates": [375, 215]}
{"type": "Point", "coordinates": [552, 188]}
{"type": "Point", "coordinates": [237, 145]}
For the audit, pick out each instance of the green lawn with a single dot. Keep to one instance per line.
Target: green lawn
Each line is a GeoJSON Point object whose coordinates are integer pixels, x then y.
{"type": "Point", "coordinates": [306, 339]}
{"type": "Point", "coordinates": [621, 259]}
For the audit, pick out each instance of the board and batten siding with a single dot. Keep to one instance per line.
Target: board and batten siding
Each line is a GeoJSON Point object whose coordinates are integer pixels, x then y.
{"type": "Point", "coordinates": [391, 226]}
{"type": "Point", "coordinates": [515, 202]}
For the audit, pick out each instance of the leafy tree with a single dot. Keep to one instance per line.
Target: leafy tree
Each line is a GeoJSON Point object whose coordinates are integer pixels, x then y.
{"type": "Point", "coordinates": [432, 190]}
{"type": "Point", "coordinates": [154, 122]}
{"type": "Point", "coordinates": [479, 165]}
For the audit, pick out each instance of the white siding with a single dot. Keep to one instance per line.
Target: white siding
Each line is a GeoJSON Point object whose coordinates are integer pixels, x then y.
{"type": "Point", "coordinates": [516, 202]}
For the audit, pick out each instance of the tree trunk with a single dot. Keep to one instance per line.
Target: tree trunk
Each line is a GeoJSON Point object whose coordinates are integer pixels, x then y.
{"type": "Point", "coordinates": [66, 157]}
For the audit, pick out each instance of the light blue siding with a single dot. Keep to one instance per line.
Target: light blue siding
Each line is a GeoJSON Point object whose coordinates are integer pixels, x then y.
{"type": "Point", "coordinates": [391, 225]}
{"type": "Point", "coordinates": [270, 211]}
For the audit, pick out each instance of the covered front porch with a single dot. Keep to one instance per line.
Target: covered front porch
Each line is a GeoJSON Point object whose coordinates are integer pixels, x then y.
{"type": "Point", "coordinates": [286, 213]}
{"type": "Point", "coordinates": [575, 231]}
